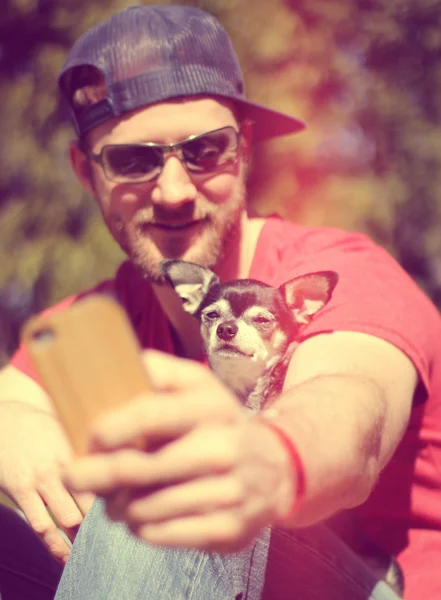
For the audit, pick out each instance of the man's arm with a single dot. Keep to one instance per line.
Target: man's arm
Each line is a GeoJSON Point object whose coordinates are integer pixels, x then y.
{"type": "Point", "coordinates": [220, 474]}
{"type": "Point", "coordinates": [33, 453]}
{"type": "Point", "coordinates": [346, 404]}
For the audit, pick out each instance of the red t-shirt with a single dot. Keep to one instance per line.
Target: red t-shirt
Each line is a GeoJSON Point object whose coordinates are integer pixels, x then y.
{"type": "Point", "coordinates": [375, 296]}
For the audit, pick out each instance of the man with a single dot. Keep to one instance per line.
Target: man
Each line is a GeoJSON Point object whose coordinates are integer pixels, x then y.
{"type": "Point", "coordinates": [164, 139]}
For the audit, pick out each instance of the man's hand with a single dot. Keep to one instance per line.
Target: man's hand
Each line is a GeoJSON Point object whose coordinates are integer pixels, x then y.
{"type": "Point", "coordinates": [33, 452]}
{"type": "Point", "coordinates": [213, 477]}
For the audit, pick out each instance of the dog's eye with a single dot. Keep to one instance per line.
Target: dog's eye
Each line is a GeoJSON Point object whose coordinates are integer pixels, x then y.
{"type": "Point", "coordinates": [262, 320]}
{"type": "Point", "coordinates": [212, 315]}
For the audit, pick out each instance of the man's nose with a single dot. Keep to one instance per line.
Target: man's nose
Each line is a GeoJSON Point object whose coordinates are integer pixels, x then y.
{"type": "Point", "coordinates": [174, 186]}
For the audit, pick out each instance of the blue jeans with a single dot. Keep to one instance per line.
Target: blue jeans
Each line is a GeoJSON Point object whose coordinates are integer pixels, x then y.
{"type": "Point", "coordinates": [109, 564]}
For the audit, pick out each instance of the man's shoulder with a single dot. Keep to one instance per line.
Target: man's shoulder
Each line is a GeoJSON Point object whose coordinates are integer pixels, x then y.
{"type": "Point", "coordinates": [124, 282]}
{"type": "Point", "coordinates": [277, 226]}
{"type": "Point", "coordinates": [283, 232]}
{"type": "Point", "coordinates": [106, 286]}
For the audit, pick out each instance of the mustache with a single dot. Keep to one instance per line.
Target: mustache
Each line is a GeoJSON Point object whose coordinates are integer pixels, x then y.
{"type": "Point", "coordinates": [160, 214]}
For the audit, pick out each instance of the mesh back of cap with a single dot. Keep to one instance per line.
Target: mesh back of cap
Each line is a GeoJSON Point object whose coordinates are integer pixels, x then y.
{"type": "Point", "coordinates": [146, 54]}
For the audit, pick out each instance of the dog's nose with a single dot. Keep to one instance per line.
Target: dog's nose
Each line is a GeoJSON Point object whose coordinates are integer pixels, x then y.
{"type": "Point", "coordinates": [226, 331]}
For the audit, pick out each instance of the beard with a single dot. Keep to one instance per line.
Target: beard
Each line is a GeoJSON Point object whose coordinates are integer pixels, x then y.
{"type": "Point", "coordinates": [215, 235]}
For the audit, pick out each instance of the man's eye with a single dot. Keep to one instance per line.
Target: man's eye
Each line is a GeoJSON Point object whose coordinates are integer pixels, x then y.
{"type": "Point", "coordinates": [212, 315]}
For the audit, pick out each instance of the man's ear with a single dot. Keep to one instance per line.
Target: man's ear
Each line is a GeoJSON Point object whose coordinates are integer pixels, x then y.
{"type": "Point", "coordinates": [81, 166]}
{"type": "Point", "coordinates": [190, 281]}
{"type": "Point", "coordinates": [307, 294]}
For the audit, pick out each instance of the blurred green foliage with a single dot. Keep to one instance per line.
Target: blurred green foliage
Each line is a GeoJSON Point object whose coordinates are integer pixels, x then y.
{"type": "Point", "coordinates": [365, 75]}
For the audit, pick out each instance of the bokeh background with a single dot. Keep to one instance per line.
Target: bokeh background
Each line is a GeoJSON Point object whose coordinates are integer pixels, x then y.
{"type": "Point", "coordinates": [364, 74]}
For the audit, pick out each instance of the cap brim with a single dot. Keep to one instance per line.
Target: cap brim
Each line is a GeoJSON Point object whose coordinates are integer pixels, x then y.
{"type": "Point", "coordinates": [268, 123]}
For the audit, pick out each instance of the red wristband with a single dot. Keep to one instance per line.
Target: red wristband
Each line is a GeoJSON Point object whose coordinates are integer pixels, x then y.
{"type": "Point", "coordinates": [296, 464]}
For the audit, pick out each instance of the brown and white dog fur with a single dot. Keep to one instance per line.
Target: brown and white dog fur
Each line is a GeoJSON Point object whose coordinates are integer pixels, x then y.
{"type": "Point", "coordinates": [249, 328]}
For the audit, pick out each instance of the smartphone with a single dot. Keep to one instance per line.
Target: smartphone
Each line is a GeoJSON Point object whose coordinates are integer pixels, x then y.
{"type": "Point", "coordinates": [88, 360]}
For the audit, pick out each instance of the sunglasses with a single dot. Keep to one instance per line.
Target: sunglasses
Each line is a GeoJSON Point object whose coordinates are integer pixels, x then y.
{"type": "Point", "coordinates": [138, 163]}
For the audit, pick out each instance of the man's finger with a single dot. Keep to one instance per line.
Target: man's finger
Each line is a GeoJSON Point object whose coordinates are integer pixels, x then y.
{"type": "Point", "coordinates": [84, 501]}
{"type": "Point", "coordinates": [159, 416]}
{"type": "Point", "coordinates": [200, 496]}
{"type": "Point", "coordinates": [167, 372]}
{"type": "Point", "coordinates": [200, 453]}
{"type": "Point", "coordinates": [221, 531]}
{"type": "Point", "coordinates": [62, 506]}
{"type": "Point", "coordinates": [41, 522]}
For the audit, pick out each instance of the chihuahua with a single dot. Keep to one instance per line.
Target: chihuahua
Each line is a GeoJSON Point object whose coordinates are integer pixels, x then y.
{"type": "Point", "coordinates": [250, 331]}
{"type": "Point", "coordinates": [249, 328]}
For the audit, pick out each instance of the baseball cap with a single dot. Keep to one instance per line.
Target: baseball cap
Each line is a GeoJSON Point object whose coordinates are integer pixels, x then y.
{"type": "Point", "coordinates": [148, 54]}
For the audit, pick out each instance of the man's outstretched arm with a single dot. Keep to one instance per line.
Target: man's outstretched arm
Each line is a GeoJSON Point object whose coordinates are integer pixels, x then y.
{"type": "Point", "coordinates": [346, 404]}
{"type": "Point", "coordinates": [219, 475]}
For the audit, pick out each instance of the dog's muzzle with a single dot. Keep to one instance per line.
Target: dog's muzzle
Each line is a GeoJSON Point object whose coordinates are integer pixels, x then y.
{"type": "Point", "coordinates": [227, 331]}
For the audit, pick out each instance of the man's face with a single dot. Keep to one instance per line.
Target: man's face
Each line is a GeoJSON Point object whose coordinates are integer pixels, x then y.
{"type": "Point", "coordinates": [178, 215]}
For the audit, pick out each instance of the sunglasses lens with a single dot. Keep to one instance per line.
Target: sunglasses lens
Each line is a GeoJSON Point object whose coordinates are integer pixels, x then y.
{"type": "Point", "coordinates": [133, 163]}
{"type": "Point", "coordinates": [128, 163]}
{"type": "Point", "coordinates": [211, 151]}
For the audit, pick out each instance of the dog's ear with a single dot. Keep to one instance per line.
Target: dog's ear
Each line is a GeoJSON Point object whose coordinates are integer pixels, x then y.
{"type": "Point", "coordinates": [307, 294]}
{"type": "Point", "coordinates": [190, 281]}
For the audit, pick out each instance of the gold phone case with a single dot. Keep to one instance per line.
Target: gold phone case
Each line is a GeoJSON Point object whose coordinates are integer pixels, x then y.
{"type": "Point", "coordinates": [88, 359]}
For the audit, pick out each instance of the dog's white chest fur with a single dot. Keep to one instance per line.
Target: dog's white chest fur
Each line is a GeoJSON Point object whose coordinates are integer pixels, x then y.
{"type": "Point", "coordinates": [240, 373]}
